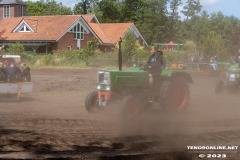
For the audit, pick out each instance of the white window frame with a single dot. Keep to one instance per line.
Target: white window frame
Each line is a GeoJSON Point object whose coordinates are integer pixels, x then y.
{"type": "Point", "coordinates": [24, 29]}
{"type": "Point", "coordinates": [23, 25]}
{"type": "Point", "coordinates": [6, 9]}
{"type": "Point", "coordinates": [78, 30]}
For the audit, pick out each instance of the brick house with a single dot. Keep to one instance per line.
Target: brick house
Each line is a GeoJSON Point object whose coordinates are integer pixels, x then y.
{"type": "Point", "coordinates": [12, 8]}
{"type": "Point", "coordinates": [42, 34]}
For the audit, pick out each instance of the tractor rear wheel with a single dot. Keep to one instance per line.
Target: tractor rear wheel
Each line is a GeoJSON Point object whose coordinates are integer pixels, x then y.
{"type": "Point", "coordinates": [91, 102]}
{"type": "Point", "coordinates": [174, 94]}
{"type": "Point", "coordinates": [207, 71]}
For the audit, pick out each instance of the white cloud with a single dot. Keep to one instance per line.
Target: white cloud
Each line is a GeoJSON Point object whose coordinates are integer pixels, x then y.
{"type": "Point", "coordinates": [209, 2]}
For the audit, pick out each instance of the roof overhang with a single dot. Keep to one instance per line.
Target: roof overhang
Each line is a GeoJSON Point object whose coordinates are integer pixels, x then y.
{"type": "Point", "coordinates": [28, 43]}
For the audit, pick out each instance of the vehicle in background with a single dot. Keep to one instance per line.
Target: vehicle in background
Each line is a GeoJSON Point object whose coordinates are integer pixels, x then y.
{"type": "Point", "coordinates": [231, 82]}
{"type": "Point", "coordinates": [16, 88]}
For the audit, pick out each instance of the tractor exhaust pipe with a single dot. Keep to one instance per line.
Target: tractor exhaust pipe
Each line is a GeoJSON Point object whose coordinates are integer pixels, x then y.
{"type": "Point", "coordinates": [120, 55]}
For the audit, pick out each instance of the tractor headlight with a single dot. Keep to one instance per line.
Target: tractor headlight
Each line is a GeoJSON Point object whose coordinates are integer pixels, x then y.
{"type": "Point", "coordinates": [104, 78]}
{"type": "Point", "coordinates": [233, 76]}
{"type": "Point", "coordinates": [108, 88]}
{"type": "Point", "coordinates": [98, 87]}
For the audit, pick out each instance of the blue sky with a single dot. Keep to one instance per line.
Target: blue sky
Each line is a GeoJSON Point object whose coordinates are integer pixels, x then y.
{"type": "Point", "coordinates": [227, 7]}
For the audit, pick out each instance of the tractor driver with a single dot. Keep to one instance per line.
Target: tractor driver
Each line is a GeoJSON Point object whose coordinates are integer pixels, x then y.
{"type": "Point", "coordinates": [154, 67]}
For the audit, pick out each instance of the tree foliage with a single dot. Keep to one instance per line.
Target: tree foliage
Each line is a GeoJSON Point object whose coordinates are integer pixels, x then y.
{"type": "Point", "coordinates": [129, 48]}
{"type": "Point", "coordinates": [159, 21]}
{"type": "Point", "coordinates": [82, 7]}
{"type": "Point", "coordinates": [212, 44]}
{"type": "Point", "coordinates": [192, 8]}
{"type": "Point", "coordinates": [16, 48]}
{"type": "Point", "coordinates": [50, 7]}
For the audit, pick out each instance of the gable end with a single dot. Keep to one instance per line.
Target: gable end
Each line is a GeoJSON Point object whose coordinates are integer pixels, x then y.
{"type": "Point", "coordinates": [23, 27]}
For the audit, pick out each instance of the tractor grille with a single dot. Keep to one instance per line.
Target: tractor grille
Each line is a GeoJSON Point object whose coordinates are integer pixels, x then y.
{"type": "Point", "coordinates": [100, 77]}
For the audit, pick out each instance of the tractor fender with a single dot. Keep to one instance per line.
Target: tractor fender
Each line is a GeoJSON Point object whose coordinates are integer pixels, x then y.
{"type": "Point", "coordinates": [182, 75]}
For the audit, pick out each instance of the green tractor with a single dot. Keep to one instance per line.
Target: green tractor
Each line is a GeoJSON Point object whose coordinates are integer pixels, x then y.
{"type": "Point", "coordinates": [215, 69]}
{"type": "Point", "coordinates": [231, 82]}
{"type": "Point", "coordinates": [132, 85]}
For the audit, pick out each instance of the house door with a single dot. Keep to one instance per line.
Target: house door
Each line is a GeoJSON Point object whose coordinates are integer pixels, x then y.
{"type": "Point", "coordinates": [78, 43]}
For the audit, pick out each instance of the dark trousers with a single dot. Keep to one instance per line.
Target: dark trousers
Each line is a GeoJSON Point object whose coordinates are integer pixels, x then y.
{"type": "Point", "coordinates": [153, 87]}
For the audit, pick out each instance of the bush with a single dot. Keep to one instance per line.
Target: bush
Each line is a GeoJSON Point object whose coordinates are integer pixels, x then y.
{"type": "Point", "coordinates": [99, 59]}
{"type": "Point", "coordinates": [16, 48]}
{"type": "Point", "coordinates": [89, 56]}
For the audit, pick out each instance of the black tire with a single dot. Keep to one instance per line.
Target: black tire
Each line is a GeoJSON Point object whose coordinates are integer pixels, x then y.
{"type": "Point", "coordinates": [219, 88]}
{"type": "Point", "coordinates": [174, 94]}
{"type": "Point", "coordinates": [91, 102]}
{"type": "Point", "coordinates": [133, 106]}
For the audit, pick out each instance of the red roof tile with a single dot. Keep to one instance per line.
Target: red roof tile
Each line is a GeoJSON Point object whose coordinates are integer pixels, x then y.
{"type": "Point", "coordinates": [51, 28]}
{"type": "Point", "coordinates": [100, 33]}
{"type": "Point", "coordinates": [48, 28]}
{"type": "Point", "coordinates": [88, 17]}
{"type": "Point", "coordinates": [115, 31]}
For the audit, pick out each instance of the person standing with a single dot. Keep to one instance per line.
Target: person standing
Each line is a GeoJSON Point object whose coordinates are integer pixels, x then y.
{"type": "Point", "coordinates": [11, 71]}
{"type": "Point", "coordinates": [25, 75]}
{"type": "Point", "coordinates": [154, 66]}
{"type": "Point", "coordinates": [2, 74]}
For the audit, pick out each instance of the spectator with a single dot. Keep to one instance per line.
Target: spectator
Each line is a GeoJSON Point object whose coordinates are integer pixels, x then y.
{"type": "Point", "coordinates": [25, 75]}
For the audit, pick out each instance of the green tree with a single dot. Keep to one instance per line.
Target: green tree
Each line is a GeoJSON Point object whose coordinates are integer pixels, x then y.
{"type": "Point", "coordinates": [16, 48]}
{"type": "Point", "coordinates": [110, 11]}
{"type": "Point", "coordinates": [54, 8]}
{"type": "Point", "coordinates": [81, 7]}
{"type": "Point", "coordinates": [234, 39]}
{"type": "Point", "coordinates": [174, 18]}
{"type": "Point", "coordinates": [190, 47]}
{"type": "Point", "coordinates": [174, 5]}
{"type": "Point", "coordinates": [192, 8]}
{"type": "Point", "coordinates": [132, 10]}
{"type": "Point", "coordinates": [36, 8]}
{"type": "Point", "coordinates": [212, 45]}
{"type": "Point", "coordinates": [50, 7]}
{"type": "Point", "coordinates": [93, 44]}
{"type": "Point", "coordinates": [129, 48]}
{"type": "Point", "coordinates": [154, 23]}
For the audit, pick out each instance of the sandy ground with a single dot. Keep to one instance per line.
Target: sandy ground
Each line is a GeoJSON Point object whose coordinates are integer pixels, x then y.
{"type": "Point", "coordinates": [52, 123]}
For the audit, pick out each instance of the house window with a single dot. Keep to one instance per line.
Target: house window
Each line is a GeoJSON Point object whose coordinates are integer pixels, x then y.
{"type": "Point", "coordinates": [78, 31]}
{"type": "Point", "coordinates": [24, 29]}
{"type": "Point", "coordinates": [20, 11]}
{"type": "Point", "coordinates": [6, 11]}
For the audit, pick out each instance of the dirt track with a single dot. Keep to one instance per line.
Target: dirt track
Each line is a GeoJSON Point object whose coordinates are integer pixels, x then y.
{"type": "Point", "coordinates": [52, 123]}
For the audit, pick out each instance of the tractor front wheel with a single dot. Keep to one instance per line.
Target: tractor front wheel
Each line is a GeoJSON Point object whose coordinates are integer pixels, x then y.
{"type": "Point", "coordinates": [91, 102]}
